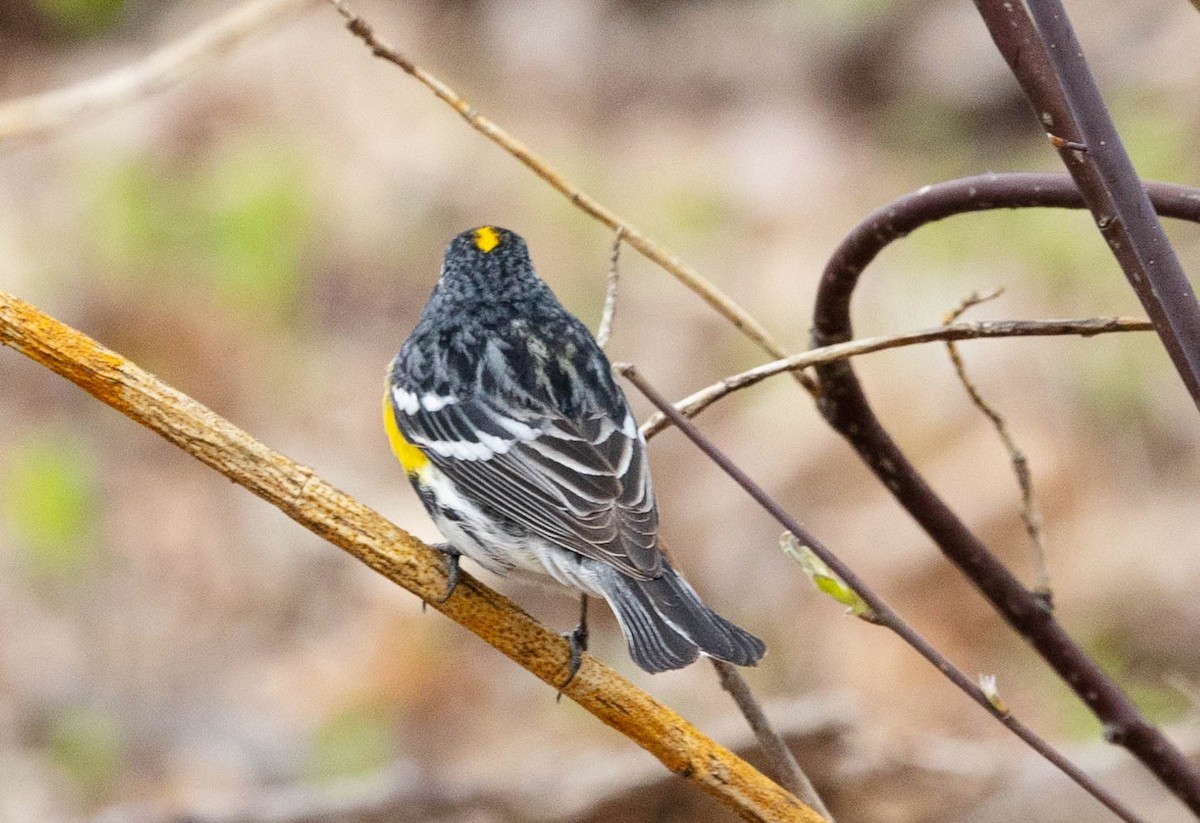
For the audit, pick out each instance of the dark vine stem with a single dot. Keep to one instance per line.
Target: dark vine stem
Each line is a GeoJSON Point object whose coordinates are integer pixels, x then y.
{"type": "Point", "coordinates": [845, 407]}
{"type": "Point", "coordinates": [1040, 46]}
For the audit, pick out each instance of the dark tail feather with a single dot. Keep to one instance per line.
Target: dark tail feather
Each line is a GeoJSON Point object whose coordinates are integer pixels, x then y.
{"type": "Point", "coordinates": [667, 626]}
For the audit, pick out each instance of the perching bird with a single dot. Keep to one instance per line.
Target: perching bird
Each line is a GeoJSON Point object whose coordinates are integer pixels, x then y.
{"type": "Point", "coordinates": [503, 411]}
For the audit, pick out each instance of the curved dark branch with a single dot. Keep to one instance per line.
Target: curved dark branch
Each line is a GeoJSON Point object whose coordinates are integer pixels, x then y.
{"type": "Point", "coordinates": [845, 407]}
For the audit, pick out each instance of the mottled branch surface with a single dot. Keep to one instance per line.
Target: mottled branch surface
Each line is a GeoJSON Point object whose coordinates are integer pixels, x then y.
{"type": "Point", "coordinates": [313, 503]}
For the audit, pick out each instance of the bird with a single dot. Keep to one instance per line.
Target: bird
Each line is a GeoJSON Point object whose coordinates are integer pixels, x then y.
{"type": "Point", "coordinates": [504, 413]}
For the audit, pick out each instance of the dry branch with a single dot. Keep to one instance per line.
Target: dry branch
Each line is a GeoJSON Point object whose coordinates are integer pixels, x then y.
{"type": "Point", "coordinates": [1030, 515]}
{"type": "Point", "coordinates": [772, 744]}
{"type": "Point", "coordinates": [41, 113]}
{"type": "Point", "coordinates": [698, 401]}
{"type": "Point", "coordinates": [313, 503]}
{"type": "Point", "coordinates": [725, 305]}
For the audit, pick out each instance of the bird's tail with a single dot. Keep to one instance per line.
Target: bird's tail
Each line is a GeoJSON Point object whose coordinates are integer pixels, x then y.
{"type": "Point", "coordinates": [667, 626]}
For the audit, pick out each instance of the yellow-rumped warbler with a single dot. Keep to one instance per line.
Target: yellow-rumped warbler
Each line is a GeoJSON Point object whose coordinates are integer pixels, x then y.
{"type": "Point", "coordinates": [503, 411]}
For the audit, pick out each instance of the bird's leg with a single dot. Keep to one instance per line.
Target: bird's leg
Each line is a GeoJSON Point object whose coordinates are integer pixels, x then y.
{"type": "Point", "coordinates": [452, 571]}
{"type": "Point", "coordinates": [578, 639]}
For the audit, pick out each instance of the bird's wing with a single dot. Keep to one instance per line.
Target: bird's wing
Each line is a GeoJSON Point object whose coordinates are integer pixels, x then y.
{"type": "Point", "coordinates": [581, 484]}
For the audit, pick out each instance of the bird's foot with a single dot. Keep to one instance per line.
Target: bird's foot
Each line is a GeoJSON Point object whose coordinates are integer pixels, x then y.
{"type": "Point", "coordinates": [577, 638]}
{"type": "Point", "coordinates": [452, 571]}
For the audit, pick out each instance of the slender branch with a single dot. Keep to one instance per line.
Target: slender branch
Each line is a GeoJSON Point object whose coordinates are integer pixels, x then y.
{"type": "Point", "coordinates": [685, 274]}
{"type": "Point", "coordinates": [700, 400]}
{"type": "Point", "coordinates": [1037, 40]}
{"type": "Point", "coordinates": [787, 771]}
{"type": "Point", "coordinates": [331, 514]}
{"type": "Point", "coordinates": [844, 405]}
{"type": "Point", "coordinates": [42, 113]}
{"type": "Point", "coordinates": [1030, 515]}
{"type": "Point", "coordinates": [880, 612]}
{"type": "Point", "coordinates": [610, 291]}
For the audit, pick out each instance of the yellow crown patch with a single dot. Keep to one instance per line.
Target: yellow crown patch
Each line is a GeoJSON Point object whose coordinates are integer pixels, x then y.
{"type": "Point", "coordinates": [486, 239]}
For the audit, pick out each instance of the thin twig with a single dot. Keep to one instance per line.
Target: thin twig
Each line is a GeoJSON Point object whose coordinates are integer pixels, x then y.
{"type": "Point", "coordinates": [335, 516]}
{"type": "Point", "coordinates": [685, 274]}
{"type": "Point", "coordinates": [698, 401]}
{"type": "Point", "coordinates": [880, 612]}
{"type": "Point", "coordinates": [787, 771]}
{"type": "Point", "coordinates": [844, 405]}
{"type": "Point", "coordinates": [610, 291]}
{"type": "Point", "coordinates": [1030, 515]}
{"type": "Point", "coordinates": [42, 113]}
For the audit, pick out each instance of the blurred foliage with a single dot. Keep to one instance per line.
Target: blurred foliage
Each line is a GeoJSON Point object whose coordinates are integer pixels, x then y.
{"type": "Point", "coordinates": [87, 745]}
{"type": "Point", "coordinates": [1110, 381]}
{"type": "Point", "coordinates": [1113, 652]}
{"type": "Point", "coordinates": [196, 237]}
{"type": "Point", "coordinates": [694, 210]}
{"type": "Point", "coordinates": [48, 492]}
{"type": "Point", "coordinates": [1043, 240]}
{"type": "Point", "coordinates": [355, 742]}
{"type": "Point", "coordinates": [1153, 128]}
{"type": "Point", "coordinates": [239, 220]}
{"type": "Point", "coordinates": [81, 18]}
{"type": "Point", "coordinates": [940, 132]}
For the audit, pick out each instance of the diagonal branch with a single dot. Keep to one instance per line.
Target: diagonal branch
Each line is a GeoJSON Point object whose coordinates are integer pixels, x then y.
{"type": "Point", "coordinates": [335, 516]}
{"type": "Point", "coordinates": [1040, 46]}
{"type": "Point", "coordinates": [698, 401]}
{"type": "Point", "coordinates": [877, 610]}
{"type": "Point", "coordinates": [41, 113]}
{"type": "Point", "coordinates": [844, 405]}
{"type": "Point", "coordinates": [725, 305]}
{"type": "Point", "coordinates": [774, 748]}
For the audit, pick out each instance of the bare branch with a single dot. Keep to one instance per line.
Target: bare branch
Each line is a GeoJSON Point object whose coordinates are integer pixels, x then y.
{"type": "Point", "coordinates": [787, 771]}
{"type": "Point", "coordinates": [41, 113]}
{"type": "Point", "coordinates": [685, 274]}
{"type": "Point", "coordinates": [698, 401]}
{"type": "Point", "coordinates": [1020, 463]}
{"type": "Point", "coordinates": [610, 292]}
{"type": "Point", "coordinates": [303, 496]}
{"type": "Point", "coordinates": [880, 612]}
{"type": "Point", "coordinates": [1048, 62]}
{"type": "Point", "coordinates": [844, 405]}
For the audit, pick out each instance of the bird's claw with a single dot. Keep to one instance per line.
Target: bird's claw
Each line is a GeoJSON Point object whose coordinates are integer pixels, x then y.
{"type": "Point", "coordinates": [577, 638]}
{"type": "Point", "coordinates": [452, 572]}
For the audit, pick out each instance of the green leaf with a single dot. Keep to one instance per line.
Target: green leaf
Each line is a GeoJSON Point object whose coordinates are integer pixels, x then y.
{"type": "Point", "coordinates": [237, 221]}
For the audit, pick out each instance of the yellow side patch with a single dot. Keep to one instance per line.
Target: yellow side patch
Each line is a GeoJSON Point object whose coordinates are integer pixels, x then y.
{"type": "Point", "coordinates": [411, 458]}
{"type": "Point", "coordinates": [486, 239]}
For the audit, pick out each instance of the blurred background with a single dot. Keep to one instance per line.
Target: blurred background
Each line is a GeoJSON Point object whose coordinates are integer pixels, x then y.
{"type": "Point", "coordinates": [263, 235]}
